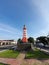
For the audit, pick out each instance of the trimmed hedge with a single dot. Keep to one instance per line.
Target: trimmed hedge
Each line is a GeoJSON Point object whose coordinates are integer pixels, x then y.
{"type": "Point", "coordinates": [24, 46]}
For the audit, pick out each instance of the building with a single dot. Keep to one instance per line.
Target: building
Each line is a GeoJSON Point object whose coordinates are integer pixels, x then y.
{"type": "Point", "coordinates": [7, 42]}
{"type": "Point", "coordinates": [24, 39]}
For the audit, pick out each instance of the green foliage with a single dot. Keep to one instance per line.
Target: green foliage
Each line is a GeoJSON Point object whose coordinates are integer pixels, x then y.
{"type": "Point", "coordinates": [48, 40]}
{"type": "Point", "coordinates": [43, 39]}
{"type": "Point", "coordinates": [9, 54]}
{"type": "Point", "coordinates": [19, 41]}
{"type": "Point", "coordinates": [31, 40]}
{"type": "Point", "coordinates": [24, 46]}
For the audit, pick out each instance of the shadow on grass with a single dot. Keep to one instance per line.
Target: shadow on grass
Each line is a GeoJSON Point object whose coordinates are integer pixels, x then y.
{"type": "Point", "coordinates": [36, 54]}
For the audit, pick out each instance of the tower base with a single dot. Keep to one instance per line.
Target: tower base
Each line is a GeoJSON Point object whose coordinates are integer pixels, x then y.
{"type": "Point", "coordinates": [25, 40]}
{"type": "Point", "coordinates": [24, 46]}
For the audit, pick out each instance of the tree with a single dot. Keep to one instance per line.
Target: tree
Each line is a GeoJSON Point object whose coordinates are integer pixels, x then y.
{"type": "Point", "coordinates": [43, 39]}
{"type": "Point", "coordinates": [48, 40]}
{"type": "Point", "coordinates": [19, 41]}
{"type": "Point", "coordinates": [31, 40]}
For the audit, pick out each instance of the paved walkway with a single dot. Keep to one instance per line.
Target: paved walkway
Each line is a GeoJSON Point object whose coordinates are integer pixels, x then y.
{"type": "Point", "coordinates": [21, 61]}
{"type": "Point", "coordinates": [21, 56]}
{"type": "Point", "coordinates": [16, 61]}
{"type": "Point", "coordinates": [2, 50]}
{"type": "Point", "coordinates": [24, 62]}
{"type": "Point", "coordinates": [46, 51]}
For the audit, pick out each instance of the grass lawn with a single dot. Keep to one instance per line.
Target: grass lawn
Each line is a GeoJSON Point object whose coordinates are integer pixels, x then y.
{"type": "Point", "coordinates": [3, 64]}
{"type": "Point", "coordinates": [36, 54]}
{"type": "Point", "coordinates": [9, 54]}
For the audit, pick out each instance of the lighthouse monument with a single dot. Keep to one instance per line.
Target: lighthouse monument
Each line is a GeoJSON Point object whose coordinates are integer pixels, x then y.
{"type": "Point", "coordinates": [24, 39]}
{"type": "Point", "coordinates": [24, 45]}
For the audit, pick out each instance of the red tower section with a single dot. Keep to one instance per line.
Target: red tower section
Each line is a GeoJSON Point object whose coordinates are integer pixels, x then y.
{"type": "Point", "coordinates": [24, 39]}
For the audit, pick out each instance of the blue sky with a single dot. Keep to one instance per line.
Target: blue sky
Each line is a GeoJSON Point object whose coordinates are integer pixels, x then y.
{"type": "Point", "coordinates": [15, 13]}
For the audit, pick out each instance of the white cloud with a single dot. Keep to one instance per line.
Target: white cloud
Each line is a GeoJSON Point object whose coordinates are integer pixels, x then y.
{"type": "Point", "coordinates": [10, 29]}
{"type": "Point", "coordinates": [43, 8]}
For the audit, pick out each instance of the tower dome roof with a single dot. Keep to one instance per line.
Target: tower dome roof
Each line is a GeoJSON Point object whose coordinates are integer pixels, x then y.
{"type": "Point", "coordinates": [24, 27]}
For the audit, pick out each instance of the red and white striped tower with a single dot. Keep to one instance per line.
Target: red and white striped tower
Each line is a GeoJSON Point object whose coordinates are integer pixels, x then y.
{"type": "Point", "coordinates": [24, 39]}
